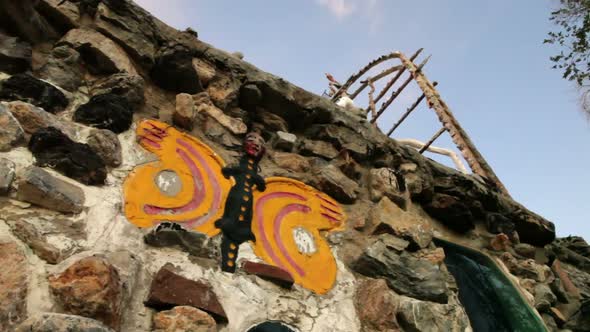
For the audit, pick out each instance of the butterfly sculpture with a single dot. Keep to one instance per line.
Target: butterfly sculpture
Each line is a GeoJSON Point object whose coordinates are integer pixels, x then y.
{"type": "Point", "coordinates": [190, 185]}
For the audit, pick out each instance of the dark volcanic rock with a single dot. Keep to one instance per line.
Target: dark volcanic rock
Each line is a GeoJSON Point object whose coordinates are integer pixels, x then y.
{"type": "Point", "coordinates": [168, 290]}
{"type": "Point", "coordinates": [76, 160]}
{"type": "Point", "coordinates": [451, 211]}
{"type": "Point", "coordinates": [174, 70]}
{"type": "Point", "coordinates": [52, 322]}
{"type": "Point", "coordinates": [64, 15]}
{"type": "Point", "coordinates": [32, 90]}
{"type": "Point", "coordinates": [39, 187]}
{"type": "Point", "coordinates": [11, 132]}
{"type": "Point", "coordinates": [404, 273]}
{"type": "Point", "coordinates": [171, 234]}
{"type": "Point", "coordinates": [268, 272]}
{"type": "Point", "coordinates": [107, 111]}
{"type": "Point", "coordinates": [130, 87]}
{"type": "Point", "coordinates": [15, 55]}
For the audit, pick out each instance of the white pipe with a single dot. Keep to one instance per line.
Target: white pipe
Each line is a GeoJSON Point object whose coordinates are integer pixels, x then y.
{"type": "Point", "coordinates": [414, 143]}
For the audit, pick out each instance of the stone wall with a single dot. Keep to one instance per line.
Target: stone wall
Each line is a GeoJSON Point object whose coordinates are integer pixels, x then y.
{"type": "Point", "coordinates": [78, 77]}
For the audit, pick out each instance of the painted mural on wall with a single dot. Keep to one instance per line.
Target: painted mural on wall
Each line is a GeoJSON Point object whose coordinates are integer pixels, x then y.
{"type": "Point", "coordinates": [190, 185]}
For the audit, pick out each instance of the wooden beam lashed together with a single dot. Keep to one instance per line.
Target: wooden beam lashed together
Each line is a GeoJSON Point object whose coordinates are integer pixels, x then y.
{"type": "Point", "coordinates": [475, 160]}
{"type": "Point", "coordinates": [396, 77]}
{"type": "Point", "coordinates": [408, 111]}
{"type": "Point", "coordinates": [397, 92]}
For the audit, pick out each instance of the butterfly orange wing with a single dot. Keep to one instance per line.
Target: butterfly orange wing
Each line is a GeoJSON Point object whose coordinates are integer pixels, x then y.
{"type": "Point", "coordinates": [184, 186]}
{"type": "Point", "coordinates": [288, 218]}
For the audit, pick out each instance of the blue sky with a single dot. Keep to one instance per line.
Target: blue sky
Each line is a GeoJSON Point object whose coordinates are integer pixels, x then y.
{"type": "Point", "coordinates": [488, 57]}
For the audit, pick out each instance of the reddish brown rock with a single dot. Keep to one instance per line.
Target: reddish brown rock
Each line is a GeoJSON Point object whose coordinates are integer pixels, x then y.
{"type": "Point", "coordinates": [13, 284]}
{"type": "Point", "coordinates": [568, 285]}
{"type": "Point", "coordinates": [90, 287]}
{"type": "Point", "coordinates": [500, 242]}
{"type": "Point", "coordinates": [168, 290]}
{"type": "Point", "coordinates": [436, 256]}
{"type": "Point", "coordinates": [271, 273]}
{"type": "Point", "coordinates": [376, 306]}
{"type": "Point", "coordinates": [183, 318]}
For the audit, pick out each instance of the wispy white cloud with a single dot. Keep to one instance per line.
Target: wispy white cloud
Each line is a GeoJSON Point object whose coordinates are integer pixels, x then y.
{"type": "Point", "coordinates": [339, 8]}
{"type": "Point", "coordinates": [369, 11]}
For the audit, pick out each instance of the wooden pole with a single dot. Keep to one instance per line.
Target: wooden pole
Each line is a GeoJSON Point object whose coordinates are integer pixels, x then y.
{"type": "Point", "coordinates": [429, 143]}
{"type": "Point", "coordinates": [408, 111]}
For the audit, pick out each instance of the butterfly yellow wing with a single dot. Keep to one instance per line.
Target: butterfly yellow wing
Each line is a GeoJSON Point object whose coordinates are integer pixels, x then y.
{"type": "Point", "coordinates": [288, 218]}
{"type": "Point", "coordinates": [184, 185]}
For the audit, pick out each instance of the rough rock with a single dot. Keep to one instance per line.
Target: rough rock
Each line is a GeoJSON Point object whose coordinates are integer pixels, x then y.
{"type": "Point", "coordinates": [291, 161]}
{"type": "Point", "coordinates": [15, 55]}
{"type": "Point", "coordinates": [205, 71]}
{"type": "Point", "coordinates": [170, 234]}
{"type": "Point", "coordinates": [184, 112]}
{"type": "Point", "coordinates": [223, 91]}
{"type": "Point", "coordinates": [404, 273]}
{"type": "Point", "coordinates": [575, 243]}
{"type": "Point", "coordinates": [558, 316]}
{"type": "Point", "coordinates": [184, 318]}
{"type": "Point", "coordinates": [7, 173]}
{"type": "Point", "coordinates": [14, 278]}
{"type": "Point", "coordinates": [271, 121]}
{"type": "Point", "coordinates": [421, 316]}
{"type": "Point", "coordinates": [387, 217]}
{"type": "Point", "coordinates": [435, 256]}
{"type": "Point", "coordinates": [579, 278]}
{"type": "Point", "coordinates": [78, 161]}
{"type": "Point", "coordinates": [566, 282]}
{"type": "Point", "coordinates": [51, 236]}
{"type": "Point", "coordinates": [385, 182]}
{"type": "Point", "coordinates": [271, 273]}
{"type": "Point", "coordinates": [90, 287]}
{"type": "Point", "coordinates": [284, 141]}
{"type": "Point", "coordinates": [32, 118]}
{"type": "Point", "coordinates": [130, 26]}
{"type": "Point", "coordinates": [318, 149]}
{"type": "Point", "coordinates": [527, 268]}
{"type": "Point", "coordinates": [101, 55]}
{"type": "Point", "coordinates": [330, 180]}
{"type": "Point", "coordinates": [107, 111]}
{"type": "Point", "coordinates": [34, 28]}
{"type": "Point", "coordinates": [25, 87]}
{"type": "Point", "coordinates": [497, 223]}
{"type": "Point", "coordinates": [39, 187]}
{"type": "Point", "coordinates": [52, 322]}
{"type": "Point", "coordinates": [106, 144]}
{"type": "Point", "coordinates": [250, 96]}
{"type": "Point", "coordinates": [63, 14]}
{"type": "Point", "coordinates": [544, 298]}
{"type": "Point", "coordinates": [376, 306]}
{"type": "Point", "coordinates": [204, 105]}
{"type": "Point", "coordinates": [525, 250]}
{"type": "Point", "coordinates": [130, 87]}
{"type": "Point", "coordinates": [452, 212]}
{"type": "Point", "coordinates": [580, 321]}
{"type": "Point", "coordinates": [11, 132]}
{"type": "Point", "coordinates": [174, 71]}
{"type": "Point", "coordinates": [500, 242]}
{"type": "Point", "coordinates": [169, 289]}
{"type": "Point", "coordinates": [63, 68]}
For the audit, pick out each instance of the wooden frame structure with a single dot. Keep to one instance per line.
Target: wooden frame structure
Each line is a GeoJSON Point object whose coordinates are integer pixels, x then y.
{"type": "Point", "coordinates": [450, 124]}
